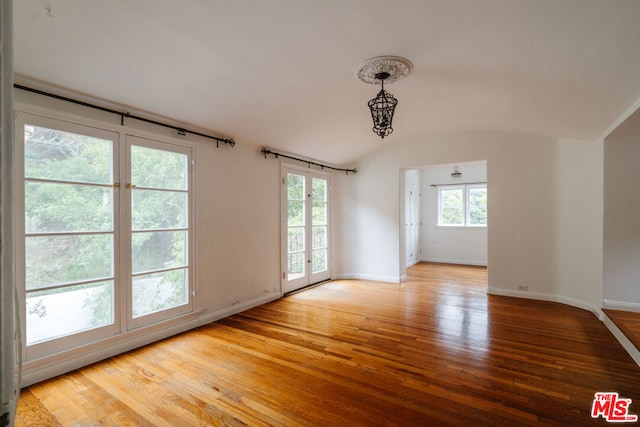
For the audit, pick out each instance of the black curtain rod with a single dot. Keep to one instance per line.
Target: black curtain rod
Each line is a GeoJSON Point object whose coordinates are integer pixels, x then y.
{"type": "Point", "coordinates": [265, 152]}
{"type": "Point", "coordinates": [459, 183]}
{"type": "Point", "coordinates": [181, 131]}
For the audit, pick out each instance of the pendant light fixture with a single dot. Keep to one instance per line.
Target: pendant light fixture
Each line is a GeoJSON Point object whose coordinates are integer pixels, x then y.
{"type": "Point", "coordinates": [382, 108]}
{"type": "Point", "coordinates": [379, 70]}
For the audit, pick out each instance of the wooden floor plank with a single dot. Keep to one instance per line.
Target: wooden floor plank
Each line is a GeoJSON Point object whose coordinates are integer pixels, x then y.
{"type": "Point", "coordinates": [628, 322]}
{"type": "Point", "coordinates": [436, 350]}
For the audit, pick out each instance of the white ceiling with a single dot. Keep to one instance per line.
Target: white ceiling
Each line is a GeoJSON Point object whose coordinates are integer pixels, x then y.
{"type": "Point", "coordinates": [282, 73]}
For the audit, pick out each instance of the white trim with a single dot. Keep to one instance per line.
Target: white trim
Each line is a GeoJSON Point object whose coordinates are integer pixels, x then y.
{"type": "Point", "coordinates": [454, 261]}
{"type": "Point", "coordinates": [541, 296]}
{"type": "Point", "coordinates": [206, 318]}
{"type": "Point", "coordinates": [622, 339]}
{"type": "Point", "coordinates": [413, 262]}
{"type": "Point", "coordinates": [621, 305]}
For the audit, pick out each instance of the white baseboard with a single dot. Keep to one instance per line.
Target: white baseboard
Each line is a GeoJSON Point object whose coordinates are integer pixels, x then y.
{"type": "Point", "coordinates": [547, 297]}
{"type": "Point", "coordinates": [620, 305]}
{"type": "Point", "coordinates": [454, 261]}
{"type": "Point", "coordinates": [622, 339]}
{"type": "Point", "coordinates": [412, 262]}
{"type": "Point", "coordinates": [206, 317]}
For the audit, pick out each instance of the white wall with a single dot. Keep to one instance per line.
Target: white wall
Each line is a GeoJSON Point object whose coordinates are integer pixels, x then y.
{"type": "Point", "coordinates": [457, 245]}
{"type": "Point", "coordinates": [622, 218]}
{"type": "Point", "coordinates": [532, 237]}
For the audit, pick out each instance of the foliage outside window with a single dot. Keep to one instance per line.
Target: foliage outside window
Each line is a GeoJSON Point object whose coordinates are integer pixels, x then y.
{"type": "Point", "coordinates": [462, 205]}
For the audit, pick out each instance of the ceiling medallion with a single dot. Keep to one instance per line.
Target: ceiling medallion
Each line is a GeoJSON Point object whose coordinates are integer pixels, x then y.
{"type": "Point", "coordinates": [398, 68]}
{"type": "Point", "coordinates": [383, 69]}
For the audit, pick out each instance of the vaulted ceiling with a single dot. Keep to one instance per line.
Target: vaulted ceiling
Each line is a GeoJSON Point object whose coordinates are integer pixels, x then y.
{"type": "Point", "coordinates": [282, 73]}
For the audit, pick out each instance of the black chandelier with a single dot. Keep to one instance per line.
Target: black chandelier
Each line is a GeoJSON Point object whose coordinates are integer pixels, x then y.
{"type": "Point", "coordinates": [383, 69]}
{"type": "Point", "coordinates": [382, 108]}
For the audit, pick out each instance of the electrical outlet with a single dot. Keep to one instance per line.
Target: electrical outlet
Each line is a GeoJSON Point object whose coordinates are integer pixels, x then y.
{"type": "Point", "coordinates": [523, 288]}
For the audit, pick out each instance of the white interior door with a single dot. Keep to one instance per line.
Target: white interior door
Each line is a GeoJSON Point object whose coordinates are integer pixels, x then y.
{"type": "Point", "coordinates": [305, 206]}
{"type": "Point", "coordinates": [412, 224]}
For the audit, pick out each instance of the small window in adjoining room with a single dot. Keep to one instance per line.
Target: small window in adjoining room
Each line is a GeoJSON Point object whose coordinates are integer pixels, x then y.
{"type": "Point", "coordinates": [462, 205]}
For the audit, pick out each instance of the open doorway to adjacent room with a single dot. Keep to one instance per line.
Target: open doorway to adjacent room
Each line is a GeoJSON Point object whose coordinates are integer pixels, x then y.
{"type": "Point", "coordinates": [443, 212]}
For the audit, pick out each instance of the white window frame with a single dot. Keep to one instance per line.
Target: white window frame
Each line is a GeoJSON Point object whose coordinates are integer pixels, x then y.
{"type": "Point", "coordinates": [466, 214]}
{"type": "Point", "coordinates": [122, 331]}
{"type": "Point", "coordinates": [468, 189]}
{"type": "Point", "coordinates": [54, 345]}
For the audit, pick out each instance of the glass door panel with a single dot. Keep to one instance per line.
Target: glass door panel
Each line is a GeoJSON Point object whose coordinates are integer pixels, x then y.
{"type": "Point", "coordinates": [296, 227]}
{"type": "Point", "coordinates": [319, 217]}
{"type": "Point", "coordinates": [159, 200]}
{"type": "Point", "coordinates": [69, 232]}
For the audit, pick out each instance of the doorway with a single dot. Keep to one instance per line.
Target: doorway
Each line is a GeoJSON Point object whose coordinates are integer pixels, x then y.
{"type": "Point", "coordinates": [306, 222]}
{"type": "Point", "coordinates": [443, 215]}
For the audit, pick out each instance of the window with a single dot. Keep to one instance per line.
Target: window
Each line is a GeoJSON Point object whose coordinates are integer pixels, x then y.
{"type": "Point", "coordinates": [104, 230]}
{"type": "Point", "coordinates": [462, 205]}
{"type": "Point", "coordinates": [69, 231]}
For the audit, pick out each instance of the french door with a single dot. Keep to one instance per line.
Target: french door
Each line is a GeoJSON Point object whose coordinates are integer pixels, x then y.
{"type": "Point", "coordinates": [102, 232]}
{"type": "Point", "coordinates": [306, 221]}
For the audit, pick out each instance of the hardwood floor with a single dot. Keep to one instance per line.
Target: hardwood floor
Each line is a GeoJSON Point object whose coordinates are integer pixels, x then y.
{"type": "Point", "coordinates": [628, 322]}
{"type": "Point", "coordinates": [433, 351]}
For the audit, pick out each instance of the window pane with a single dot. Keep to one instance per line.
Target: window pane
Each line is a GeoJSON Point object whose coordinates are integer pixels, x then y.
{"type": "Point", "coordinates": [52, 260]}
{"type": "Point", "coordinates": [295, 187]}
{"type": "Point", "coordinates": [58, 312]}
{"type": "Point", "coordinates": [451, 207]}
{"type": "Point", "coordinates": [295, 265]}
{"type": "Point", "coordinates": [319, 213]}
{"type": "Point", "coordinates": [478, 206]}
{"type": "Point", "coordinates": [159, 291]}
{"type": "Point", "coordinates": [295, 239]}
{"type": "Point", "coordinates": [319, 260]}
{"type": "Point", "coordinates": [319, 190]}
{"type": "Point", "coordinates": [158, 168]}
{"type": "Point", "coordinates": [153, 209]}
{"type": "Point", "coordinates": [65, 156]}
{"type": "Point", "coordinates": [295, 213]}
{"type": "Point", "coordinates": [51, 207]}
{"type": "Point", "coordinates": [319, 237]}
{"type": "Point", "coordinates": [158, 250]}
